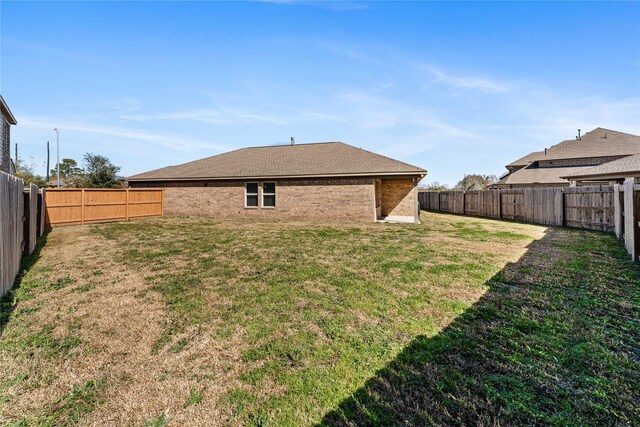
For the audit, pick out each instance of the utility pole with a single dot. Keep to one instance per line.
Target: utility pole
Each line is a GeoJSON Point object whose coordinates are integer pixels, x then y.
{"type": "Point", "coordinates": [48, 161]}
{"type": "Point", "coordinates": [58, 154]}
{"type": "Point", "coordinates": [16, 155]}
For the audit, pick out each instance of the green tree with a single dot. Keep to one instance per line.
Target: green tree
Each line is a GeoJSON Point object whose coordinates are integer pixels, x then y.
{"type": "Point", "coordinates": [26, 173]}
{"type": "Point", "coordinates": [475, 182]}
{"type": "Point", "coordinates": [100, 172]}
{"type": "Point", "coordinates": [434, 186]}
{"type": "Point", "coordinates": [68, 167]}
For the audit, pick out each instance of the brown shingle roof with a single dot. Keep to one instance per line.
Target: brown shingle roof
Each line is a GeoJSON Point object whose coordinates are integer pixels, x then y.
{"type": "Point", "coordinates": [300, 160]}
{"type": "Point", "coordinates": [626, 166]}
{"type": "Point", "coordinates": [528, 159]}
{"type": "Point", "coordinates": [599, 142]}
{"type": "Point", "coordinates": [530, 175]}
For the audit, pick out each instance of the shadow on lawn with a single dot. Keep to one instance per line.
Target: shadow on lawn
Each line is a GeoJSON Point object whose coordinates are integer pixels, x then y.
{"type": "Point", "coordinates": [551, 342]}
{"type": "Point", "coordinates": [8, 302]}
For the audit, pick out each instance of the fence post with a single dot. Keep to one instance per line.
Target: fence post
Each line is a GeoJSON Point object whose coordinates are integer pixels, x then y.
{"type": "Point", "coordinates": [629, 218]}
{"type": "Point", "coordinates": [43, 210]}
{"type": "Point", "coordinates": [464, 203]}
{"type": "Point", "coordinates": [126, 207]}
{"type": "Point", "coordinates": [617, 211]}
{"type": "Point", "coordinates": [559, 207]}
{"type": "Point", "coordinates": [82, 206]}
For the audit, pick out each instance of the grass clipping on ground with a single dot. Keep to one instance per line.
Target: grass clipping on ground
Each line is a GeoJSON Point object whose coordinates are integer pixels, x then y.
{"type": "Point", "coordinates": [195, 321]}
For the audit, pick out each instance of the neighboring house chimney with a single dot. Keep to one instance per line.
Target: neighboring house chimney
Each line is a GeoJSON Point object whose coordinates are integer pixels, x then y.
{"type": "Point", "coordinates": [293, 141]}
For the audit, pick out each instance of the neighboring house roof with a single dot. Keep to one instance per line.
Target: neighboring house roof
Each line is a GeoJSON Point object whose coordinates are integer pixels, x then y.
{"type": "Point", "coordinates": [528, 159]}
{"type": "Point", "coordinates": [53, 182]}
{"type": "Point", "coordinates": [626, 166]}
{"type": "Point", "coordinates": [324, 159]}
{"type": "Point", "coordinates": [599, 142]}
{"type": "Point", "coordinates": [6, 112]}
{"type": "Point", "coordinates": [531, 175]}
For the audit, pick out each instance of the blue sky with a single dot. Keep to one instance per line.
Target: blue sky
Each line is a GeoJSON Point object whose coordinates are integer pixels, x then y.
{"type": "Point", "coordinates": [453, 87]}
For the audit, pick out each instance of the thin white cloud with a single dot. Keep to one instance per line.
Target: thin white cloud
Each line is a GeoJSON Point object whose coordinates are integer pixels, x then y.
{"type": "Point", "coordinates": [225, 116]}
{"type": "Point", "coordinates": [463, 82]}
{"type": "Point", "coordinates": [373, 112]}
{"type": "Point", "coordinates": [171, 141]}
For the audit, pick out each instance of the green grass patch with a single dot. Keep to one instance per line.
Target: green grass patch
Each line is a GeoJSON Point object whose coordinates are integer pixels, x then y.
{"type": "Point", "coordinates": [457, 321]}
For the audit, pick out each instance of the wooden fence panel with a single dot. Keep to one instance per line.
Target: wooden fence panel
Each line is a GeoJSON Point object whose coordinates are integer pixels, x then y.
{"type": "Point", "coordinates": [491, 204]}
{"type": "Point", "coordinates": [434, 201]}
{"type": "Point", "coordinates": [423, 200]}
{"type": "Point", "coordinates": [64, 206]}
{"type": "Point", "coordinates": [471, 199]}
{"type": "Point", "coordinates": [443, 201]}
{"type": "Point", "coordinates": [11, 229]}
{"type": "Point", "coordinates": [590, 208]}
{"type": "Point", "coordinates": [457, 202]}
{"type": "Point", "coordinates": [68, 206]}
{"type": "Point", "coordinates": [512, 205]}
{"type": "Point", "coordinates": [31, 220]}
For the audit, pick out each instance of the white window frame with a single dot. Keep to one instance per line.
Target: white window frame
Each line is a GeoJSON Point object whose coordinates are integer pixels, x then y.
{"type": "Point", "coordinates": [269, 194]}
{"type": "Point", "coordinates": [246, 193]}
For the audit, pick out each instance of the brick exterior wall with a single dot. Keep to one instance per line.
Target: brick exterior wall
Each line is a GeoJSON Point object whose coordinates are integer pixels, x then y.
{"type": "Point", "coordinates": [398, 197]}
{"type": "Point", "coordinates": [317, 199]}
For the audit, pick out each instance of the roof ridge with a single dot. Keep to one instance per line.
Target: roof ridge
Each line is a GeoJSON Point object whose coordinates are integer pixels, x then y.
{"type": "Point", "coordinates": [612, 130]}
{"type": "Point", "coordinates": [291, 145]}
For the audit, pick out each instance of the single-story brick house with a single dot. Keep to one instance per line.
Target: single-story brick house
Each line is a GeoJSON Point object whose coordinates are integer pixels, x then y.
{"type": "Point", "coordinates": [320, 181]}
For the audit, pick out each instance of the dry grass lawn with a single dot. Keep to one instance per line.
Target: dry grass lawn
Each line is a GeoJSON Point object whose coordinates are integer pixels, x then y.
{"type": "Point", "coordinates": [197, 321]}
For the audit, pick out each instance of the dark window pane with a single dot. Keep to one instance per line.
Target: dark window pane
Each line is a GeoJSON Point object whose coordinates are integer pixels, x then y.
{"type": "Point", "coordinates": [269, 201]}
{"type": "Point", "coordinates": [252, 200]}
{"type": "Point", "coordinates": [269, 187]}
{"type": "Point", "coordinates": [252, 188]}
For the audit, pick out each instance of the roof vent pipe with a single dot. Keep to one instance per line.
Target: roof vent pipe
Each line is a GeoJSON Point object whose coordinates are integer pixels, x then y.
{"type": "Point", "coordinates": [579, 137]}
{"type": "Point", "coordinates": [293, 141]}
{"type": "Point", "coordinates": [545, 151]}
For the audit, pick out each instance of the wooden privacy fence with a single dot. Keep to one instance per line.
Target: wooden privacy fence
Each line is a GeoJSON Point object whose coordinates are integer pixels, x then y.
{"type": "Point", "coordinates": [606, 208]}
{"type": "Point", "coordinates": [21, 222]}
{"type": "Point", "coordinates": [579, 207]}
{"type": "Point", "coordinates": [67, 206]}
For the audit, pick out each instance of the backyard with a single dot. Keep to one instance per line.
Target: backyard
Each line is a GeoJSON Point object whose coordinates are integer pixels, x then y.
{"type": "Point", "coordinates": [198, 321]}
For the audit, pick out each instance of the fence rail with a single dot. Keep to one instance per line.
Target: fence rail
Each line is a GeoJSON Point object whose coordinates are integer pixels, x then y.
{"type": "Point", "coordinates": [68, 206]}
{"type": "Point", "coordinates": [606, 207]}
{"type": "Point", "coordinates": [21, 213]}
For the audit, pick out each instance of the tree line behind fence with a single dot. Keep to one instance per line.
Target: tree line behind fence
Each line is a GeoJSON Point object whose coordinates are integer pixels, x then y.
{"type": "Point", "coordinates": [22, 221]}
{"type": "Point", "coordinates": [605, 208]}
